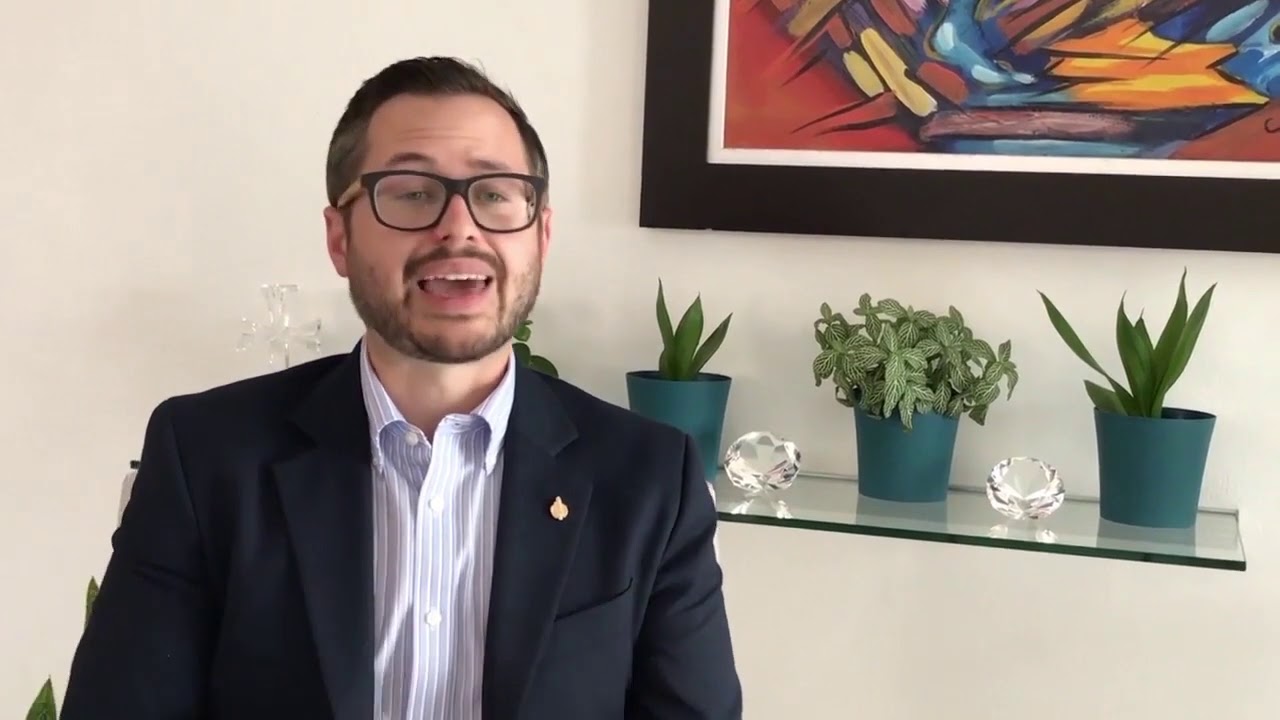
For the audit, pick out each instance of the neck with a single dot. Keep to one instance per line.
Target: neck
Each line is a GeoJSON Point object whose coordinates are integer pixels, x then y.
{"type": "Point", "coordinates": [425, 392]}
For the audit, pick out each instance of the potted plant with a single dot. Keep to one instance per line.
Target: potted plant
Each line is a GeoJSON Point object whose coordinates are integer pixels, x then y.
{"type": "Point", "coordinates": [909, 375]}
{"type": "Point", "coordinates": [525, 355]}
{"type": "Point", "coordinates": [45, 706]}
{"type": "Point", "coordinates": [1151, 457]}
{"type": "Point", "coordinates": [679, 392]}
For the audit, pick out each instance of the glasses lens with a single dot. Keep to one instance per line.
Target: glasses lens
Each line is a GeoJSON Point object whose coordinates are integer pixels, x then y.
{"type": "Point", "coordinates": [409, 201]}
{"type": "Point", "coordinates": [502, 203]}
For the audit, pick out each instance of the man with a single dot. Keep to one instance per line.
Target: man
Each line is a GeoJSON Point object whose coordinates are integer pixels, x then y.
{"type": "Point", "coordinates": [422, 528]}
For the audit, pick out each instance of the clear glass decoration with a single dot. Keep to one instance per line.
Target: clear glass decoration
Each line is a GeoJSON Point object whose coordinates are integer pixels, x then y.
{"type": "Point", "coordinates": [1023, 488]}
{"type": "Point", "coordinates": [279, 332]}
{"type": "Point", "coordinates": [762, 462]}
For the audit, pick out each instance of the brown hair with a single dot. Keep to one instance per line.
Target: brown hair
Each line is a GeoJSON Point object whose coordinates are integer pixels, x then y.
{"type": "Point", "coordinates": [416, 76]}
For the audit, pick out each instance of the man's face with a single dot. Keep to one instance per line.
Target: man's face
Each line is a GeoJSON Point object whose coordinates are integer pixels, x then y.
{"type": "Point", "coordinates": [456, 292]}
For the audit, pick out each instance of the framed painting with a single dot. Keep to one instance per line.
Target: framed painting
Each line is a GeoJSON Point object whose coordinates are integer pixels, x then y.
{"type": "Point", "coordinates": [1129, 123]}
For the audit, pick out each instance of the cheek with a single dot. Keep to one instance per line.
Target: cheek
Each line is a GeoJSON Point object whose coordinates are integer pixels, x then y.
{"type": "Point", "coordinates": [376, 257]}
{"type": "Point", "coordinates": [520, 258]}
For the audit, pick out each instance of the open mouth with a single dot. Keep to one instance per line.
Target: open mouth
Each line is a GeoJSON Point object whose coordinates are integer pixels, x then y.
{"type": "Point", "coordinates": [455, 284]}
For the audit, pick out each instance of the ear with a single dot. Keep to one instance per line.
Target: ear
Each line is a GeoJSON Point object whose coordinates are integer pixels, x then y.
{"type": "Point", "coordinates": [336, 239]}
{"type": "Point", "coordinates": [544, 238]}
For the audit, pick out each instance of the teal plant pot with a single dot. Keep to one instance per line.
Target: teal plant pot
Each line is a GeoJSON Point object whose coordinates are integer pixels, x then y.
{"type": "Point", "coordinates": [905, 465]}
{"type": "Point", "coordinates": [1151, 470]}
{"type": "Point", "coordinates": [694, 406]}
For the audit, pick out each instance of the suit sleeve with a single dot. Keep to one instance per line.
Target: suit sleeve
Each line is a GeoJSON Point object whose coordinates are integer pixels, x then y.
{"type": "Point", "coordinates": [144, 651]}
{"type": "Point", "coordinates": [684, 666]}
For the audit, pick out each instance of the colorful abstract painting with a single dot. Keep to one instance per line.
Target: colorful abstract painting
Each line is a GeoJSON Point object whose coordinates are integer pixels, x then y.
{"type": "Point", "coordinates": [1134, 79]}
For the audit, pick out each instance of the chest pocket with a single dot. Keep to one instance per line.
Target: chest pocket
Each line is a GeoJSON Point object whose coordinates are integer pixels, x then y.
{"type": "Point", "coordinates": [605, 624]}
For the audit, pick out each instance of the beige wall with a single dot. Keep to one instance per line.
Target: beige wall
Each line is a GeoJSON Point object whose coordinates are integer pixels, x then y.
{"type": "Point", "coordinates": [161, 159]}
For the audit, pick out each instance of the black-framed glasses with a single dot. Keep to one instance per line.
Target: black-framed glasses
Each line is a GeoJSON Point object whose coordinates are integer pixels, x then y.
{"type": "Point", "coordinates": [413, 200]}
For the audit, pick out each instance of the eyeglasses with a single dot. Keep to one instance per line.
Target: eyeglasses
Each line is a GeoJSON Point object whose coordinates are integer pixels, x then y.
{"type": "Point", "coordinates": [412, 200]}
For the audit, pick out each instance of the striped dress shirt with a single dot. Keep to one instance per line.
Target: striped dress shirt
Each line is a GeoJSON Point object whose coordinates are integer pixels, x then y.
{"type": "Point", "coordinates": [435, 505]}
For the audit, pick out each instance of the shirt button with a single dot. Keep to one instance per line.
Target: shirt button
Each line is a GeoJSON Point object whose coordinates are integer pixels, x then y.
{"type": "Point", "coordinates": [411, 437]}
{"type": "Point", "coordinates": [434, 618]}
{"type": "Point", "coordinates": [436, 505]}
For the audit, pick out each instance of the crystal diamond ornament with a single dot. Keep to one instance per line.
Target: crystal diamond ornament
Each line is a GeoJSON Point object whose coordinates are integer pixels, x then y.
{"type": "Point", "coordinates": [1025, 488]}
{"type": "Point", "coordinates": [761, 462]}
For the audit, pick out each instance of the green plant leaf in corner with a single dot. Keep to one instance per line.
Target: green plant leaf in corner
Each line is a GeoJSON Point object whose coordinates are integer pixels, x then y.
{"type": "Point", "coordinates": [543, 365]}
{"type": "Point", "coordinates": [45, 707]}
{"type": "Point", "coordinates": [89, 597]}
{"type": "Point", "coordinates": [522, 353]}
{"type": "Point", "coordinates": [688, 333]}
{"type": "Point", "coordinates": [709, 348]}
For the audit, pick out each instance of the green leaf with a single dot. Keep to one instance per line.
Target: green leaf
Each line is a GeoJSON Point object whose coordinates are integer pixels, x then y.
{"type": "Point", "coordinates": [984, 393]}
{"type": "Point", "coordinates": [892, 309]}
{"type": "Point", "coordinates": [543, 365]}
{"type": "Point", "coordinates": [1134, 360]}
{"type": "Point", "coordinates": [1103, 398]}
{"type": "Point", "coordinates": [1073, 342]}
{"type": "Point", "coordinates": [666, 369]}
{"type": "Point", "coordinates": [866, 357]}
{"type": "Point", "coordinates": [1169, 336]}
{"type": "Point", "coordinates": [45, 706]}
{"type": "Point", "coordinates": [823, 366]}
{"type": "Point", "coordinates": [523, 333]}
{"type": "Point", "coordinates": [914, 358]}
{"type": "Point", "coordinates": [834, 334]}
{"type": "Point", "coordinates": [1144, 335]}
{"type": "Point", "coordinates": [895, 381]}
{"type": "Point", "coordinates": [1069, 336]}
{"type": "Point", "coordinates": [979, 414]}
{"type": "Point", "coordinates": [522, 353]}
{"type": "Point", "coordinates": [1186, 346]}
{"type": "Point", "coordinates": [688, 333]}
{"type": "Point", "coordinates": [711, 345]}
{"type": "Point", "coordinates": [664, 319]}
{"type": "Point", "coordinates": [1011, 376]}
{"type": "Point", "coordinates": [90, 595]}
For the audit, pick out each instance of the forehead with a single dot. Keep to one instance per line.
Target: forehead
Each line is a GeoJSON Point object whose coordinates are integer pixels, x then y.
{"type": "Point", "coordinates": [446, 132]}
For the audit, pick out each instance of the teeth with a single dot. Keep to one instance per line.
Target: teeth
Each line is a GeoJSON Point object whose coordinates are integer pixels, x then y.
{"type": "Point", "coordinates": [457, 277]}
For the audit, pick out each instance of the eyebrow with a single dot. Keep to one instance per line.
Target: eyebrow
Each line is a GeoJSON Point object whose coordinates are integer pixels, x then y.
{"type": "Point", "coordinates": [417, 158]}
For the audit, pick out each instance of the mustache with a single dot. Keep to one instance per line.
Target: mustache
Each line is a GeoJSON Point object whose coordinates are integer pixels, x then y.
{"type": "Point", "coordinates": [413, 268]}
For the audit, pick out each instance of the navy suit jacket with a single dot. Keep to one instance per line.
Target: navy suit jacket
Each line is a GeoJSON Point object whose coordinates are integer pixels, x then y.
{"type": "Point", "coordinates": [240, 582]}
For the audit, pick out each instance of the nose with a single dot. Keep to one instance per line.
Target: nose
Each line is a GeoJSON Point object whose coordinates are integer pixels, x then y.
{"type": "Point", "coordinates": [456, 222]}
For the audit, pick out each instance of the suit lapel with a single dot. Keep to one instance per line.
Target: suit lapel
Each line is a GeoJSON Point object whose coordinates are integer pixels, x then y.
{"type": "Point", "coordinates": [532, 549]}
{"type": "Point", "coordinates": [326, 495]}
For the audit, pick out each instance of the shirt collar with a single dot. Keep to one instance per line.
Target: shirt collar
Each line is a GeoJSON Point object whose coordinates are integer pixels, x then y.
{"type": "Point", "coordinates": [494, 410]}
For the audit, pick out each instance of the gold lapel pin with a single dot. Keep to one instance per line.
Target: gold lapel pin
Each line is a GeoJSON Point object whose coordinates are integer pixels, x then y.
{"type": "Point", "coordinates": [559, 510]}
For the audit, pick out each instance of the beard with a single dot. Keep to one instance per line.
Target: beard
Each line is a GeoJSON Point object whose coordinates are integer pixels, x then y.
{"type": "Point", "coordinates": [449, 341]}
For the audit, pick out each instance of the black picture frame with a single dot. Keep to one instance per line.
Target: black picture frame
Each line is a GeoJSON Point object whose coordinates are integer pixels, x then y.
{"type": "Point", "coordinates": [680, 189]}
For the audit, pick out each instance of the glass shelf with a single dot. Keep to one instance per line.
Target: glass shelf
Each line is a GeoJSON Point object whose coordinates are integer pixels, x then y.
{"type": "Point", "coordinates": [831, 503]}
